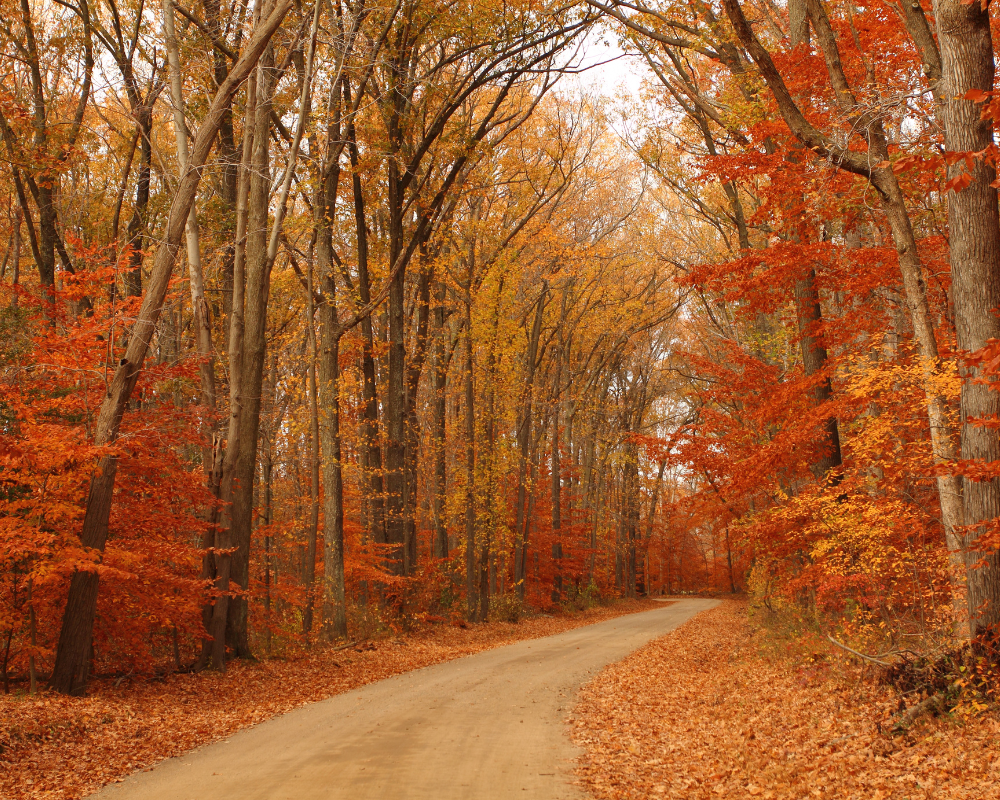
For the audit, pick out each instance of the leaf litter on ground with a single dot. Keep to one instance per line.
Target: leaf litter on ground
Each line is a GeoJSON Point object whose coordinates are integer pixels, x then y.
{"type": "Point", "coordinates": [54, 747]}
{"type": "Point", "coordinates": [708, 712]}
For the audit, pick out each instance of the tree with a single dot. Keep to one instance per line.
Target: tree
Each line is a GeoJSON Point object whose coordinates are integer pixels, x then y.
{"type": "Point", "coordinates": [72, 656]}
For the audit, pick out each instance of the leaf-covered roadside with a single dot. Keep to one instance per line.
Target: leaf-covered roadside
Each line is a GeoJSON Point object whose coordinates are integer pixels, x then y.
{"type": "Point", "coordinates": [703, 713]}
{"type": "Point", "coordinates": [59, 748]}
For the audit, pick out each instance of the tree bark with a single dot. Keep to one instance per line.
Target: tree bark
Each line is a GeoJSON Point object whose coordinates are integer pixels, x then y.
{"type": "Point", "coordinates": [414, 369]}
{"type": "Point", "coordinates": [262, 250]}
{"type": "Point", "coordinates": [814, 362]}
{"type": "Point", "coordinates": [325, 202]}
{"type": "Point", "coordinates": [258, 282]}
{"type": "Point", "coordinates": [314, 459]}
{"type": "Point", "coordinates": [215, 613]}
{"type": "Point", "coordinates": [395, 384]}
{"type": "Point", "coordinates": [630, 503]}
{"type": "Point", "coordinates": [137, 224]}
{"type": "Point", "coordinates": [556, 476]}
{"type": "Point", "coordinates": [228, 155]}
{"type": "Point", "coordinates": [471, 593]}
{"type": "Point", "coordinates": [199, 307]}
{"type": "Point", "coordinates": [523, 444]}
{"type": "Point", "coordinates": [371, 450]}
{"type": "Point", "coordinates": [334, 594]}
{"type": "Point", "coordinates": [442, 357]}
{"type": "Point", "coordinates": [808, 311]}
{"type": "Point", "coordinates": [967, 63]}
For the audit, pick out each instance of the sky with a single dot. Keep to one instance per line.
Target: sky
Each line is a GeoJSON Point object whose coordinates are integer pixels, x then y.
{"type": "Point", "coordinates": [607, 69]}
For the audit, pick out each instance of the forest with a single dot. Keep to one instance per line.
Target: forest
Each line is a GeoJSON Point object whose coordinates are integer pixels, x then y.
{"type": "Point", "coordinates": [319, 319]}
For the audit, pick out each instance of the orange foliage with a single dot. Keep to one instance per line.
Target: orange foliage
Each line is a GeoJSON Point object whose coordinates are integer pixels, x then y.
{"type": "Point", "coordinates": [52, 383]}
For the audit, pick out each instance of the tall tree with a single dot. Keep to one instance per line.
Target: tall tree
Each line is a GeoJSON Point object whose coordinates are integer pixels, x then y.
{"type": "Point", "coordinates": [72, 664]}
{"type": "Point", "coordinates": [968, 72]}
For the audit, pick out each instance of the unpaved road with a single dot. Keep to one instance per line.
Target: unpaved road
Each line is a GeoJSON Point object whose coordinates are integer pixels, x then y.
{"type": "Point", "coordinates": [485, 727]}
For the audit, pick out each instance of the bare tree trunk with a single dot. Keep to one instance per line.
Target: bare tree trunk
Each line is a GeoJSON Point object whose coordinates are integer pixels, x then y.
{"type": "Point", "coordinates": [729, 561]}
{"type": "Point", "coordinates": [328, 179]}
{"type": "Point", "coordinates": [487, 560]}
{"type": "Point", "coordinates": [15, 276]}
{"type": "Point", "coordinates": [214, 614]}
{"type": "Point", "coordinates": [334, 596]}
{"type": "Point", "coordinates": [200, 315]}
{"type": "Point", "coordinates": [258, 280]}
{"type": "Point", "coordinates": [808, 311]}
{"type": "Point", "coordinates": [655, 499]}
{"type": "Point", "coordinates": [312, 530]}
{"type": "Point", "coordinates": [371, 451]}
{"type": "Point", "coordinates": [620, 538]}
{"type": "Point", "coordinates": [394, 431]}
{"type": "Point", "coordinates": [227, 154]}
{"type": "Point", "coordinates": [472, 602]}
{"type": "Point", "coordinates": [314, 458]}
{"type": "Point", "coordinates": [630, 509]}
{"type": "Point", "coordinates": [556, 476]}
{"type": "Point", "coordinates": [267, 468]}
{"type": "Point", "coordinates": [974, 253]}
{"type": "Point", "coordinates": [523, 444]}
{"type": "Point", "coordinates": [591, 500]}
{"type": "Point", "coordinates": [411, 422]}
{"type": "Point", "coordinates": [814, 361]}
{"type": "Point", "coordinates": [137, 224]}
{"type": "Point", "coordinates": [442, 356]}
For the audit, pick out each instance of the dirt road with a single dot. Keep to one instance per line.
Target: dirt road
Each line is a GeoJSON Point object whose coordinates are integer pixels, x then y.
{"type": "Point", "coordinates": [486, 727]}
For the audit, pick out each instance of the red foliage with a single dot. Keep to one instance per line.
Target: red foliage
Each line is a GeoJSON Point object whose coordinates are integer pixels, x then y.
{"type": "Point", "coordinates": [53, 379]}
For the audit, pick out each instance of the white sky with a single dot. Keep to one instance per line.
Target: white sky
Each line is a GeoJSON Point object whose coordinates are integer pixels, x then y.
{"type": "Point", "coordinates": [609, 71]}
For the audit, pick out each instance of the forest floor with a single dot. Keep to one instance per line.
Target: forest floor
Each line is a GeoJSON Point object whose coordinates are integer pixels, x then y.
{"type": "Point", "coordinates": [57, 747]}
{"type": "Point", "coordinates": [719, 708]}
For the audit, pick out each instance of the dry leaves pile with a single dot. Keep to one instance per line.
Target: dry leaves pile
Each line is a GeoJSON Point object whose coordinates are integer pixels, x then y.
{"type": "Point", "coordinates": [701, 713]}
{"type": "Point", "coordinates": [59, 747]}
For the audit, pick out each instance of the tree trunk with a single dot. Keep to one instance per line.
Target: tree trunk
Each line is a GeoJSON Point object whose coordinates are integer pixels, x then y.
{"type": "Point", "coordinates": [267, 469]}
{"type": "Point", "coordinates": [214, 614]}
{"type": "Point", "coordinates": [442, 356]}
{"type": "Point", "coordinates": [200, 321]}
{"type": "Point", "coordinates": [258, 281]}
{"type": "Point", "coordinates": [630, 503]}
{"type": "Point", "coordinates": [974, 253]}
{"type": "Point", "coordinates": [137, 224]}
{"type": "Point", "coordinates": [472, 603]}
{"type": "Point", "coordinates": [227, 156]}
{"type": "Point", "coordinates": [334, 597]}
{"type": "Point", "coordinates": [556, 476]}
{"type": "Point", "coordinates": [814, 360]}
{"type": "Point", "coordinates": [371, 450]}
{"type": "Point", "coordinates": [411, 422]}
{"type": "Point", "coordinates": [808, 311]}
{"type": "Point", "coordinates": [523, 444]}
{"type": "Point", "coordinates": [314, 458]}
{"type": "Point", "coordinates": [487, 559]}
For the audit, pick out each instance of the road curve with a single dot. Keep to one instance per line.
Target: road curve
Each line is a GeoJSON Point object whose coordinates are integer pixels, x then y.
{"type": "Point", "coordinates": [486, 727]}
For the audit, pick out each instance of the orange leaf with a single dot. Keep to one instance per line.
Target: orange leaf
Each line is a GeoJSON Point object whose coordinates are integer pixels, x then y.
{"type": "Point", "coordinates": [958, 183]}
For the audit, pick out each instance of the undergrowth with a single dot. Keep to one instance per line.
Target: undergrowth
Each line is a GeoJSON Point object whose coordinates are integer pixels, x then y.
{"type": "Point", "coordinates": [929, 676]}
